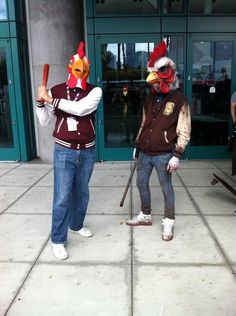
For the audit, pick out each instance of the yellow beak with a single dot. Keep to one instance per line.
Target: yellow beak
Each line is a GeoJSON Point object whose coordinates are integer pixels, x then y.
{"type": "Point", "coordinates": [153, 77]}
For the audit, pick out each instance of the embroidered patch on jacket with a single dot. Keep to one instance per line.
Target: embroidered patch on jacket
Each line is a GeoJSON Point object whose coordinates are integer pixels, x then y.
{"type": "Point", "coordinates": [169, 108]}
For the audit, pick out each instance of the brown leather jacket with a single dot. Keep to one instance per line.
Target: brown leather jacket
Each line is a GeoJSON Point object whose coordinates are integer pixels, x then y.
{"type": "Point", "coordinates": [167, 125]}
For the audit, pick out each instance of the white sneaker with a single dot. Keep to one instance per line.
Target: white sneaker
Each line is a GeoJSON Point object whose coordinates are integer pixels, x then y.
{"type": "Point", "coordinates": [168, 227]}
{"type": "Point", "coordinates": [84, 232]}
{"type": "Point", "coordinates": [141, 219]}
{"type": "Point", "coordinates": [59, 251]}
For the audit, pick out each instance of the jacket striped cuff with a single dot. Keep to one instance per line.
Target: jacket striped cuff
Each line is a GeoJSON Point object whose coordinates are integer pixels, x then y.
{"type": "Point", "coordinates": [40, 104]}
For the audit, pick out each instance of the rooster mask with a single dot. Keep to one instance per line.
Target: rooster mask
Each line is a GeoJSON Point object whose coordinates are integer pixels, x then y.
{"type": "Point", "coordinates": [78, 69]}
{"type": "Point", "coordinates": [162, 70]}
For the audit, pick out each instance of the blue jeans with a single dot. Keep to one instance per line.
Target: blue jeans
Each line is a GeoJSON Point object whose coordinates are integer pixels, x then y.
{"type": "Point", "coordinates": [144, 169]}
{"type": "Point", "coordinates": [72, 172]}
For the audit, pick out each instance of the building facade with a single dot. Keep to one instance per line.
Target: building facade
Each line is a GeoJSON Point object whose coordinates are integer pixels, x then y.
{"type": "Point", "coordinates": [119, 36]}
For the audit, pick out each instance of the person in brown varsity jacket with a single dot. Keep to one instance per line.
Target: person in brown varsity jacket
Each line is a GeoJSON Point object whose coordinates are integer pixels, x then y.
{"type": "Point", "coordinates": [73, 104]}
{"type": "Point", "coordinates": [162, 138]}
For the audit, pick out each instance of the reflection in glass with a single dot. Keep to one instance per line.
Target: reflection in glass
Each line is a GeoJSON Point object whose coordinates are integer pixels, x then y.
{"type": "Point", "coordinates": [176, 53]}
{"type": "Point", "coordinates": [211, 82]}
{"type": "Point", "coordinates": [123, 7]}
{"type": "Point", "coordinates": [124, 90]}
{"type": "Point", "coordinates": [6, 137]}
{"type": "Point", "coordinates": [3, 10]}
{"type": "Point", "coordinates": [173, 7]}
{"type": "Point", "coordinates": [212, 7]}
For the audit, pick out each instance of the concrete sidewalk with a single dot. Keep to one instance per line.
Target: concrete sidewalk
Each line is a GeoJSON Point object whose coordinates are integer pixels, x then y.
{"type": "Point", "coordinates": [121, 271]}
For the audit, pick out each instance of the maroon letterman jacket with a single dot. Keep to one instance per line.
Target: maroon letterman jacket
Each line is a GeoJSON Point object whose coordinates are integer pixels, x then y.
{"type": "Point", "coordinates": [84, 136]}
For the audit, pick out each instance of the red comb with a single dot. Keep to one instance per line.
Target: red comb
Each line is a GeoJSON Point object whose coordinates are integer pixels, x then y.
{"type": "Point", "coordinates": [159, 51]}
{"type": "Point", "coordinates": [81, 50]}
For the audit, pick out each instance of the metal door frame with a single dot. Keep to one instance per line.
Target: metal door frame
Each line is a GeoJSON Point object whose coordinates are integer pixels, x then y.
{"type": "Point", "coordinates": [12, 153]}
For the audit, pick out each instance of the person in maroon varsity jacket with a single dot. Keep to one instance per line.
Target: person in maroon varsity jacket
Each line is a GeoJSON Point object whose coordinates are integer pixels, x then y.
{"type": "Point", "coordinates": [162, 138]}
{"type": "Point", "coordinates": [73, 105]}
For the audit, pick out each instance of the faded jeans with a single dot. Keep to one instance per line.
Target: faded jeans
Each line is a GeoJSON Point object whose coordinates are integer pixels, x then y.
{"type": "Point", "coordinates": [72, 172]}
{"type": "Point", "coordinates": [144, 168]}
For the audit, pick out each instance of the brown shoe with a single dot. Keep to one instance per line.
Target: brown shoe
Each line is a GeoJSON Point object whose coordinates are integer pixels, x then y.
{"type": "Point", "coordinates": [141, 219]}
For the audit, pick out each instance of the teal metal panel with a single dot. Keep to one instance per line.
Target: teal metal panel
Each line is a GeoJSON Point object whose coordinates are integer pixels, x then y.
{"type": "Point", "coordinates": [210, 152]}
{"type": "Point", "coordinates": [174, 24]}
{"type": "Point", "coordinates": [14, 152]}
{"type": "Point", "coordinates": [22, 106]}
{"type": "Point", "coordinates": [11, 10]}
{"type": "Point", "coordinates": [211, 24]}
{"type": "Point", "coordinates": [89, 8]}
{"type": "Point", "coordinates": [90, 26]}
{"type": "Point", "coordinates": [124, 25]}
{"type": "Point", "coordinates": [4, 30]}
{"type": "Point", "coordinates": [18, 30]}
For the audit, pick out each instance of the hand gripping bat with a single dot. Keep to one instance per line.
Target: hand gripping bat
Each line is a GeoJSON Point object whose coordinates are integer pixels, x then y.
{"type": "Point", "coordinates": [45, 78]}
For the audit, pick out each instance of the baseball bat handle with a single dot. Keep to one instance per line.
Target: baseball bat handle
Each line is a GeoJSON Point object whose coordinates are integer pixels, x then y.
{"type": "Point", "coordinates": [45, 74]}
{"type": "Point", "coordinates": [128, 184]}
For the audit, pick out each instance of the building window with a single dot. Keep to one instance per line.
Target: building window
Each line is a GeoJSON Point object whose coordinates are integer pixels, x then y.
{"type": "Point", "coordinates": [173, 7]}
{"type": "Point", "coordinates": [124, 7]}
{"type": "Point", "coordinates": [212, 7]}
{"type": "Point", "coordinates": [3, 10]}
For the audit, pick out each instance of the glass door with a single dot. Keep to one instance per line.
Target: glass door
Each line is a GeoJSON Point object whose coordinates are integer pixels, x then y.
{"type": "Point", "coordinates": [209, 88]}
{"type": "Point", "coordinates": [122, 62]}
{"type": "Point", "coordinates": [8, 128]}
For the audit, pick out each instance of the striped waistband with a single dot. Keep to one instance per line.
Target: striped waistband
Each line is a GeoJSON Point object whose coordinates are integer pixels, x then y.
{"type": "Point", "coordinates": [72, 145]}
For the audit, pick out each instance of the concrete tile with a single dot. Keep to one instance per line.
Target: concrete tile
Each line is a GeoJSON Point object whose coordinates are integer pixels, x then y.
{"type": "Point", "coordinates": [175, 291]}
{"type": "Point", "coordinates": [74, 290]}
{"type": "Point", "coordinates": [224, 229]}
{"type": "Point", "coordinates": [30, 166]}
{"type": "Point", "coordinates": [112, 165]}
{"type": "Point", "coordinates": [36, 200]}
{"type": "Point", "coordinates": [158, 201]}
{"type": "Point", "coordinates": [214, 200]}
{"type": "Point", "coordinates": [110, 242]}
{"type": "Point", "coordinates": [11, 277]}
{"type": "Point", "coordinates": [108, 202]}
{"type": "Point", "coordinates": [196, 164]}
{"type": "Point", "coordinates": [223, 164]}
{"type": "Point", "coordinates": [192, 243]}
{"type": "Point", "coordinates": [47, 181]}
{"type": "Point", "coordinates": [22, 236]}
{"type": "Point", "coordinates": [21, 177]}
{"type": "Point", "coordinates": [200, 177]}
{"type": "Point", "coordinates": [8, 195]}
{"type": "Point", "coordinates": [8, 165]}
{"type": "Point", "coordinates": [106, 178]}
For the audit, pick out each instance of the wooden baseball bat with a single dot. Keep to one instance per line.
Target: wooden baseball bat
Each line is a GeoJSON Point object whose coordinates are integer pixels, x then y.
{"type": "Point", "coordinates": [45, 74]}
{"type": "Point", "coordinates": [128, 184]}
{"type": "Point", "coordinates": [45, 78]}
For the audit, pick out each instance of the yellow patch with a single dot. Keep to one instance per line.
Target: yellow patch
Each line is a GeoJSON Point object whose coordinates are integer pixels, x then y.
{"type": "Point", "coordinates": [169, 108]}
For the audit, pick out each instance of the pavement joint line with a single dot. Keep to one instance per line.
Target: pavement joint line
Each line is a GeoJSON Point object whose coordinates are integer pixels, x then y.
{"type": "Point", "coordinates": [227, 175]}
{"type": "Point", "coordinates": [123, 263]}
{"type": "Point", "coordinates": [8, 171]}
{"type": "Point", "coordinates": [212, 234]}
{"type": "Point", "coordinates": [27, 275]}
{"type": "Point", "coordinates": [19, 197]}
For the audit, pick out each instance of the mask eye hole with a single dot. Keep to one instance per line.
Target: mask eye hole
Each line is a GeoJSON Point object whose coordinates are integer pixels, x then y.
{"type": "Point", "coordinates": [162, 69]}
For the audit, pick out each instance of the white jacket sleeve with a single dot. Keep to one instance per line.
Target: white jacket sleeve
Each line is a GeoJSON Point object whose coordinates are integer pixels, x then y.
{"type": "Point", "coordinates": [45, 113]}
{"type": "Point", "coordinates": [82, 107]}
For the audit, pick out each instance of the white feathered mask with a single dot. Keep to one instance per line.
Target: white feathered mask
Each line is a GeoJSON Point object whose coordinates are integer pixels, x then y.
{"type": "Point", "coordinates": [163, 74]}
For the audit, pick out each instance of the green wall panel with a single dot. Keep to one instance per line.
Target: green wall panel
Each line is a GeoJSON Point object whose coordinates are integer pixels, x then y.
{"type": "Point", "coordinates": [127, 25]}
{"type": "Point", "coordinates": [211, 24]}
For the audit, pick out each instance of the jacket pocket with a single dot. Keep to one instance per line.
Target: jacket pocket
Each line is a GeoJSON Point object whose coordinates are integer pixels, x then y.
{"type": "Point", "coordinates": [59, 125]}
{"type": "Point", "coordinates": [165, 137]}
{"type": "Point", "coordinates": [91, 122]}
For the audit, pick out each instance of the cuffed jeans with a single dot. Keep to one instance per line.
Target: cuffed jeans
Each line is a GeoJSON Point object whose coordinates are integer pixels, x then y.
{"type": "Point", "coordinates": [144, 168]}
{"type": "Point", "coordinates": [72, 172]}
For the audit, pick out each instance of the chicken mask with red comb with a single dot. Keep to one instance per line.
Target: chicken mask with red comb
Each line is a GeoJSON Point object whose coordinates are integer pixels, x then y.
{"type": "Point", "coordinates": [163, 75]}
{"type": "Point", "coordinates": [78, 69]}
